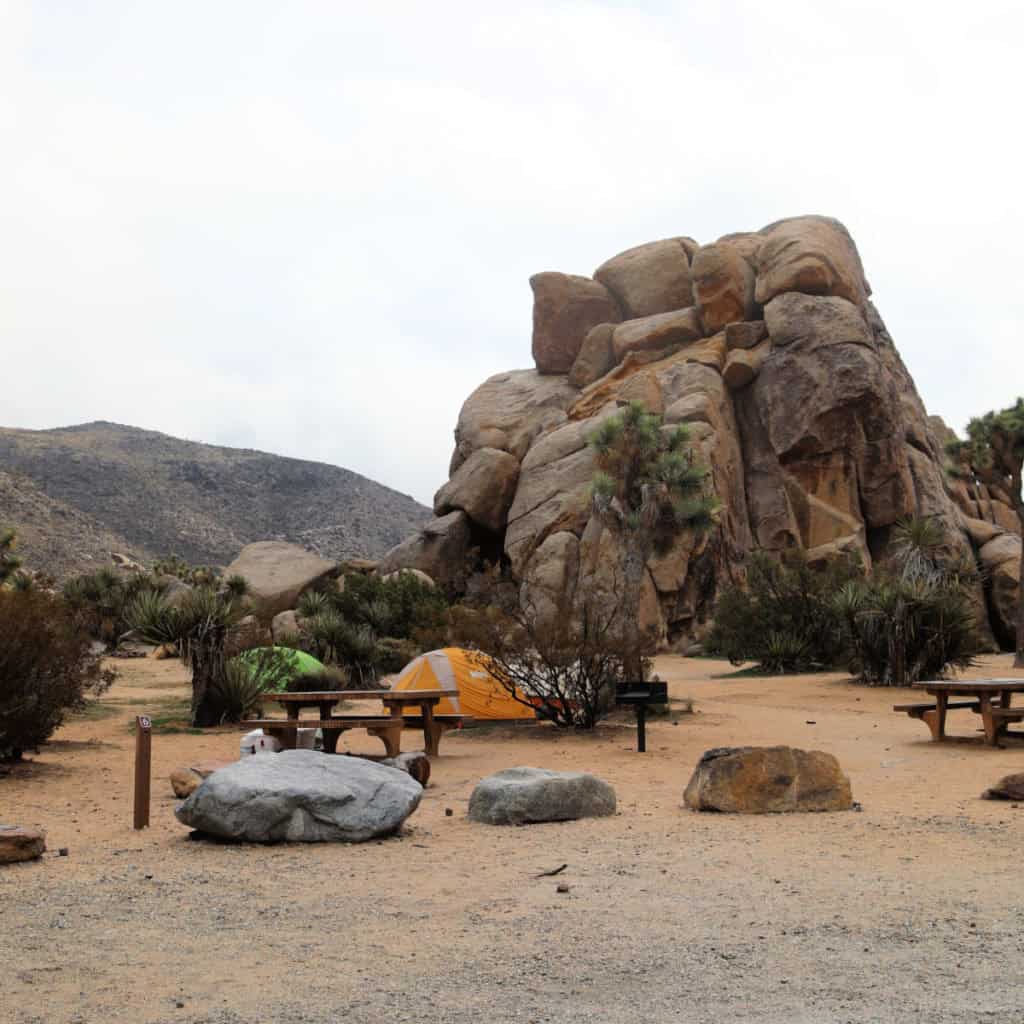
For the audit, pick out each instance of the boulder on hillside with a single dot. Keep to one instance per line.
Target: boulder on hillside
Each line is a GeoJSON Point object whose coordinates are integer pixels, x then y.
{"type": "Point", "coordinates": [767, 780]}
{"type": "Point", "coordinates": [439, 549]}
{"type": "Point", "coordinates": [482, 487]}
{"type": "Point", "coordinates": [278, 573]}
{"type": "Point", "coordinates": [302, 796]}
{"type": "Point", "coordinates": [20, 844]}
{"type": "Point", "coordinates": [525, 796]}
{"type": "Point", "coordinates": [565, 307]}
{"type": "Point", "coordinates": [649, 279]}
{"type": "Point", "coordinates": [815, 255]}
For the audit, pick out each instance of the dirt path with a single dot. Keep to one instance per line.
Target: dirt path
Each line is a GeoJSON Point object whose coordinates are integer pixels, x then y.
{"type": "Point", "coordinates": [896, 913]}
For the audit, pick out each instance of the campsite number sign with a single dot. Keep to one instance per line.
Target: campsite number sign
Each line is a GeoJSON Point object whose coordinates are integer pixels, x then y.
{"type": "Point", "coordinates": [143, 758]}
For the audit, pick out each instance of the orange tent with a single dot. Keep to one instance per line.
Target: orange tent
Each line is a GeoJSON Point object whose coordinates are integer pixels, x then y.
{"type": "Point", "coordinates": [475, 692]}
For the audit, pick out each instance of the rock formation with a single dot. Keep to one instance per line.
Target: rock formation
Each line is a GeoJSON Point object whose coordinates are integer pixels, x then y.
{"type": "Point", "coordinates": [767, 345]}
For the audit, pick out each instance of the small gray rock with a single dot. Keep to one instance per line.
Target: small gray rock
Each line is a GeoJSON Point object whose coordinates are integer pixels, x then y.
{"type": "Point", "coordinates": [521, 796]}
{"type": "Point", "coordinates": [302, 796]}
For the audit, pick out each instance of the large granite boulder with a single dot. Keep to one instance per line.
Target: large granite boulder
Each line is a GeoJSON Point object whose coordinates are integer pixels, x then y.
{"type": "Point", "coordinates": [525, 796]}
{"type": "Point", "coordinates": [278, 573]}
{"type": "Point", "coordinates": [815, 255]}
{"type": "Point", "coordinates": [20, 844]}
{"type": "Point", "coordinates": [565, 307]}
{"type": "Point", "coordinates": [508, 411]}
{"type": "Point", "coordinates": [483, 487]}
{"type": "Point", "coordinates": [439, 549]}
{"type": "Point", "coordinates": [723, 286]}
{"type": "Point", "coordinates": [767, 780]}
{"type": "Point", "coordinates": [765, 345]}
{"type": "Point", "coordinates": [302, 796]}
{"type": "Point", "coordinates": [648, 279]}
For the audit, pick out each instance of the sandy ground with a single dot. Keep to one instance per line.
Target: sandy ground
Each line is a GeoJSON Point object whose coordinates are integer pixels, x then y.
{"type": "Point", "coordinates": [906, 911]}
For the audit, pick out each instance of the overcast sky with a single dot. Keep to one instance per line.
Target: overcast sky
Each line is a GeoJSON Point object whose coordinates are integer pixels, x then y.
{"type": "Point", "coordinates": [308, 227]}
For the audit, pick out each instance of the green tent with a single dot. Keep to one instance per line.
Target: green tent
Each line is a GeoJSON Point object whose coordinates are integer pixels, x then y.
{"type": "Point", "coordinates": [298, 661]}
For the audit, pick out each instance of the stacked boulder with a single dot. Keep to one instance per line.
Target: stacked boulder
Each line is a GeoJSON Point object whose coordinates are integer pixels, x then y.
{"type": "Point", "coordinates": [767, 346]}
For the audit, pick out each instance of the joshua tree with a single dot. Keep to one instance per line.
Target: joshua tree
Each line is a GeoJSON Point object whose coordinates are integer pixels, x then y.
{"type": "Point", "coordinates": [648, 490]}
{"type": "Point", "coordinates": [992, 455]}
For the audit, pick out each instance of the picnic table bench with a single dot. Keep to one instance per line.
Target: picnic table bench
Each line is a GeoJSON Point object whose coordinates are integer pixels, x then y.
{"type": "Point", "coordinates": [387, 727]}
{"type": "Point", "coordinates": [980, 694]}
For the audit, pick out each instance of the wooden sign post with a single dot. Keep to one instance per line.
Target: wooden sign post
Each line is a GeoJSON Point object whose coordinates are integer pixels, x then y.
{"type": "Point", "coordinates": [143, 758]}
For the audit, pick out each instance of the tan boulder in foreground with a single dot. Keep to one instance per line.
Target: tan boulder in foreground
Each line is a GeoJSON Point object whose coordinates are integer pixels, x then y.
{"type": "Point", "coordinates": [278, 573]}
{"type": "Point", "coordinates": [767, 780]}
{"type": "Point", "coordinates": [483, 487]}
{"type": "Point", "coordinates": [18, 844]}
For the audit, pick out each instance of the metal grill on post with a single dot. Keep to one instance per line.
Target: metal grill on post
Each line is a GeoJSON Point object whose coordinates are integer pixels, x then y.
{"type": "Point", "coordinates": [640, 696]}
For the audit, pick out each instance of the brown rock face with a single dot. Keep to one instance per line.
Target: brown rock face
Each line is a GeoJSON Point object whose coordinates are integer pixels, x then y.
{"type": "Point", "coordinates": [18, 844]}
{"type": "Point", "coordinates": [439, 550]}
{"type": "Point", "coordinates": [565, 307]}
{"type": "Point", "coordinates": [483, 487]}
{"type": "Point", "coordinates": [656, 332]}
{"type": "Point", "coordinates": [815, 255]}
{"type": "Point", "coordinates": [767, 780]}
{"type": "Point", "coordinates": [796, 400]}
{"type": "Point", "coordinates": [649, 279]}
{"type": "Point", "coordinates": [723, 286]}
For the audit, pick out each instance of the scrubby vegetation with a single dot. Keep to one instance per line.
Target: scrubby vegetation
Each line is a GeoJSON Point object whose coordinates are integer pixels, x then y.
{"type": "Point", "coordinates": [910, 619]}
{"type": "Point", "coordinates": [786, 618]}
{"type": "Point", "coordinates": [47, 669]}
{"type": "Point", "coordinates": [370, 626]}
{"type": "Point", "coordinates": [101, 599]}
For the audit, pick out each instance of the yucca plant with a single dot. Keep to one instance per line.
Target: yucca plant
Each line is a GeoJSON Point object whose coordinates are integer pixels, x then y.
{"type": "Point", "coordinates": [312, 603]}
{"type": "Point", "coordinates": [237, 694]}
{"type": "Point", "coordinates": [336, 641]}
{"type": "Point", "coordinates": [200, 626]}
{"type": "Point", "coordinates": [237, 586]}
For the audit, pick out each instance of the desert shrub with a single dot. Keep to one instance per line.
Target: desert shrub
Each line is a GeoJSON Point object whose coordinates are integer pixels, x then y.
{"type": "Point", "coordinates": [311, 603]}
{"type": "Point", "coordinates": [9, 563]}
{"type": "Point", "coordinates": [47, 669]}
{"type": "Point", "coordinates": [237, 694]}
{"type": "Point", "coordinates": [236, 586]}
{"type": "Point", "coordinates": [331, 677]}
{"type": "Point", "coordinates": [913, 619]}
{"type": "Point", "coordinates": [393, 654]}
{"type": "Point", "coordinates": [101, 599]}
{"type": "Point", "coordinates": [564, 666]}
{"type": "Point", "coordinates": [403, 606]}
{"type": "Point", "coordinates": [201, 626]}
{"type": "Point", "coordinates": [785, 619]}
{"type": "Point", "coordinates": [193, 575]}
{"type": "Point", "coordinates": [898, 632]}
{"type": "Point", "coordinates": [336, 641]}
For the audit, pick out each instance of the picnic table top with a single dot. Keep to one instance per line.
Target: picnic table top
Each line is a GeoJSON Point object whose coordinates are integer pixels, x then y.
{"type": "Point", "coordinates": [322, 696]}
{"type": "Point", "coordinates": [971, 685]}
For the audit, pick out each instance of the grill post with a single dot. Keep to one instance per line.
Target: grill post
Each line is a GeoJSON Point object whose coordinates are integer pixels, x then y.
{"type": "Point", "coordinates": [641, 728]}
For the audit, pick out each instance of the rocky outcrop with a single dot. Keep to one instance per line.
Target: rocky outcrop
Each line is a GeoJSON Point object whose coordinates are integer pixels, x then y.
{"type": "Point", "coordinates": [301, 796]}
{"type": "Point", "coordinates": [438, 549]}
{"type": "Point", "coordinates": [278, 573]}
{"type": "Point", "coordinates": [525, 796]}
{"type": "Point", "coordinates": [766, 347]}
{"type": "Point", "coordinates": [767, 780]}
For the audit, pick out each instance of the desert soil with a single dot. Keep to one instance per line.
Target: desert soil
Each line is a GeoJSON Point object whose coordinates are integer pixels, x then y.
{"type": "Point", "coordinates": [908, 910]}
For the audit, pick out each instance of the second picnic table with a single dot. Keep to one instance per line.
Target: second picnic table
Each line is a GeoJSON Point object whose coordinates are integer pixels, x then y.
{"type": "Point", "coordinates": [980, 693]}
{"type": "Point", "coordinates": [387, 727]}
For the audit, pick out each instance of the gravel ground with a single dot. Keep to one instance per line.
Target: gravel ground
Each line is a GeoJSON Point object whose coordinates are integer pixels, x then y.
{"type": "Point", "coordinates": [896, 913]}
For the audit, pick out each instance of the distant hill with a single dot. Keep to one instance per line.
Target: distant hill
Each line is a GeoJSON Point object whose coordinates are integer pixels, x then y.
{"type": "Point", "coordinates": [75, 494]}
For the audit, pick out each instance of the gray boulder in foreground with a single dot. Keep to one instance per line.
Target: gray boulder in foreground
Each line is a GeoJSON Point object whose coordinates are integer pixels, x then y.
{"type": "Point", "coordinates": [522, 796]}
{"type": "Point", "coordinates": [302, 796]}
{"type": "Point", "coordinates": [767, 780]}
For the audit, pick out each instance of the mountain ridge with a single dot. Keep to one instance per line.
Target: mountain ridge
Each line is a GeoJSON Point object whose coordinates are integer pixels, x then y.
{"type": "Point", "coordinates": [155, 495]}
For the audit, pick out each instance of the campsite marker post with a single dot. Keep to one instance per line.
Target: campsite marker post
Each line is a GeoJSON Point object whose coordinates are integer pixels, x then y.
{"type": "Point", "coordinates": [143, 758]}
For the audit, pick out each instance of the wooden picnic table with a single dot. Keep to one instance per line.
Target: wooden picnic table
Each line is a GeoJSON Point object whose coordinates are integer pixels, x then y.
{"type": "Point", "coordinates": [395, 701]}
{"type": "Point", "coordinates": [989, 698]}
